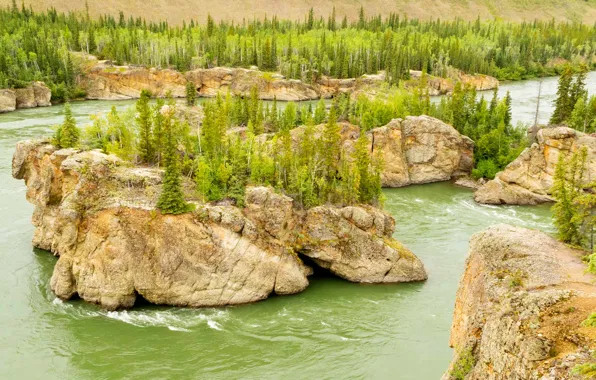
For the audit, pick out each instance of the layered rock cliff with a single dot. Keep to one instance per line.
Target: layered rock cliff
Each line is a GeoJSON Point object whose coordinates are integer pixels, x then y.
{"type": "Point", "coordinates": [519, 308]}
{"type": "Point", "coordinates": [98, 215]}
{"type": "Point", "coordinates": [37, 94]}
{"type": "Point", "coordinates": [529, 178]}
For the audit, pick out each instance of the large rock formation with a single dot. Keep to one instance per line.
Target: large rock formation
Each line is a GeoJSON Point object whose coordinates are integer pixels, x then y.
{"type": "Point", "coordinates": [103, 80]}
{"type": "Point", "coordinates": [442, 86]}
{"type": "Point", "coordinates": [37, 94]}
{"type": "Point", "coordinates": [519, 308]}
{"type": "Point", "coordinates": [99, 217]}
{"type": "Point", "coordinates": [238, 81]}
{"type": "Point", "coordinates": [529, 178]}
{"type": "Point", "coordinates": [108, 82]}
{"type": "Point", "coordinates": [416, 150]}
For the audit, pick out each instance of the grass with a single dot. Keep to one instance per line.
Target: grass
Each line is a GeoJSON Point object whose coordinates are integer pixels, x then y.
{"type": "Point", "coordinates": [178, 10]}
{"type": "Point", "coordinates": [465, 362]}
{"type": "Point", "coordinates": [590, 321]}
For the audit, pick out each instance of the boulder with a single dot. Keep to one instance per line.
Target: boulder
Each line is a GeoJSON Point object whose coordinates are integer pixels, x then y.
{"type": "Point", "coordinates": [519, 308]}
{"type": "Point", "coordinates": [37, 94]}
{"type": "Point", "coordinates": [8, 100]}
{"type": "Point", "coordinates": [42, 94]}
{"type": "Point", "coordinates": [528, 179]}
{"type": "Point", "coordinates": [99, 216]}
{"type": "Point", "coordinates": [25, 97]}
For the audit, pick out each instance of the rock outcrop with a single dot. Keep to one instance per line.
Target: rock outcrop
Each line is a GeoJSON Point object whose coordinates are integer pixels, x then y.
{"type": "Point", "coordinates": [519, 308]}
{"type": "Point", "coordinates": [529, 178]}
{"type": "Point", "coordinates": [238, 81]}
{"type": "Point", "coordinates": [104, 81]}
{"type": "Point", "coordinates": [99, 217]}
{"type": "Point", "coordinates": [37, 94]}
{"type": "Point", "coordinates": [443, 86]}
{"type": "Point", "coordinates": [416, 150]}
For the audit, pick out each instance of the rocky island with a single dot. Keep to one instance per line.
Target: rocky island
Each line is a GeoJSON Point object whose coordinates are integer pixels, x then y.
{"type": "Point", "coordinates": [99, 217]}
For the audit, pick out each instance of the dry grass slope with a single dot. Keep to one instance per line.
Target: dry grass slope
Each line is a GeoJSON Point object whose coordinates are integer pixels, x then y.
{"type": "Point", "coordinates": [175, 11]}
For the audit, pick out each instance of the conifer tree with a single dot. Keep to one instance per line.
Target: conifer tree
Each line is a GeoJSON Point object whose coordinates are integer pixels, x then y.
{"type": "Point", "coordinates": [331, 140]}
{"type": "Point", "coordinates": [67, 135]}
{"type": "Point", "coordinates": [191, 94]}
{"type": "Point", "coordinates": [143, 120]}
{"type": "Point", "coordinates": [171, 199]}
{"type": "Point", "coordinates": [563, 103]}
{"type": "Point", "coordinates": [566, 188]}
{"type": "Point", "coordinates": [578, 119]}
{"type": "Point", "coordinates": [320, 112]}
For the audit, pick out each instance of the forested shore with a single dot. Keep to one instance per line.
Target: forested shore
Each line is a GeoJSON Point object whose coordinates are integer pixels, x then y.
{"type": "Point", "coordinates": [38, 46]}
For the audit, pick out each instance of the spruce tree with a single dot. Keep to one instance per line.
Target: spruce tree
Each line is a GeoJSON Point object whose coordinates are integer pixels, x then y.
{"type": "Point", "coordinates": [67, 135]}
{"type": "Point", "coordinates": [191, 94]}
{"type": "Point", "coordinates": [563, 103]}
{"type": "Point", "coordinates": [566, 188]}
{"type": "Point", "coordinates": [143, 119]}
{"type": "Point", "coordinates": [331, 144]}
{"type": "Point", "coordinates": [578, 120]}
{"type": "Point", "coordinates": [171, 199]}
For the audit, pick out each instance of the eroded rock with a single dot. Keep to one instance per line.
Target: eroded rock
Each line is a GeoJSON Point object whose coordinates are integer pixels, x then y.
{"type": "Point", "coordinates": [99, 217]}
{"type": "Point", "coordinates": [416, 150]}
{"type": "Point", "coordinates": [521, 297]}
{"type": "Point", "coordinates": [529, 178]}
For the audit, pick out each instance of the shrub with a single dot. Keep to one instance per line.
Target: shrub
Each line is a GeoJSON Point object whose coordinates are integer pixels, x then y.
{"type": "Point", "coordinates": [464, 364]}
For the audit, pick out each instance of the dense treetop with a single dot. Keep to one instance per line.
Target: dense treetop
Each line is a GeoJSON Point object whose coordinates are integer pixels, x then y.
{"type": "Point", "coordinates": [37, 45]}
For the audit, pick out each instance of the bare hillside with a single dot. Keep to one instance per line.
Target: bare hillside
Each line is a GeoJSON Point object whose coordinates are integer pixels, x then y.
{"type": "Point", "coordinates": [175, 11]}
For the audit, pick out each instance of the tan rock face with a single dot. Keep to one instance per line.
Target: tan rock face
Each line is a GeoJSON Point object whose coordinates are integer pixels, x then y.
{"type": "Point", "coordinates": [99, 217]}
{"type": "Point", "coordinates": [8, 100]}
{"type": "Point", "coordinates": [107, 82]}
{"type": "Point", "coordinates": [529, 178]}
{"type": "Point", "coordinates": [42, 94]}
{"type": "Point", "coordinates": [416, 150]}
{"type": "Point", "coordinates": [519, 307]}
{"type": "Point", "coordinates": [37, 94]}
{"type": "Point", "coordinates": [442, 86]}
{"type": "Point", "coordinates": [238, 81]}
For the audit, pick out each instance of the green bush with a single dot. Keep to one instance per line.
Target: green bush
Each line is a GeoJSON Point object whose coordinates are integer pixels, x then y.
{"type": "Point", "coordinates": [485, 169]}
{"type": "Point", "coordinates": [590, 321]}
{"type": "Point", "coordinates": [464, 364]}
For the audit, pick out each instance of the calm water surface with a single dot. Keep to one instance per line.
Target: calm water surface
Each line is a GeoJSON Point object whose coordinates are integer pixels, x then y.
{"type": "Point", "coordinates": [333, 330]}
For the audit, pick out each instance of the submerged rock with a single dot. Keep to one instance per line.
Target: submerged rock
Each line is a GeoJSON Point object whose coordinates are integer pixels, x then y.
{"type": "Point", "coordinates": [99, 217]}
{"type": "Point", "coordinates": [529, 178]}
{"type": "Point", "coordinates": [519, 308]}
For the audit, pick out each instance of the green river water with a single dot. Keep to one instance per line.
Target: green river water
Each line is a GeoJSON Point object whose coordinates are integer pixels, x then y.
{"type": "Point", "coordinates": [333, 330]}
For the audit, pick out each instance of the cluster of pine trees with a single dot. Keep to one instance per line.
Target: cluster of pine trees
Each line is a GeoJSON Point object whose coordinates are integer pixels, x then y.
{"type": "Point", "coordinates": [36, 46]}
{"type": "Point", "coordinates": [312, 167]}
{"type": "Point", "coordinates": [573, 105]}
{"type": "Point", "coordinates": [574, 212]}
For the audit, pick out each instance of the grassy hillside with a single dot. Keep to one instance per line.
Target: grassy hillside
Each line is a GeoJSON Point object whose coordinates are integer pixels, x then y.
{"type": "Point", "coordinates": [177, 10]}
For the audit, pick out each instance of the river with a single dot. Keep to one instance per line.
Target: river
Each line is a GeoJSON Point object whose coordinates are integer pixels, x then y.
{"type": "Point", "coordinates": [335, 329]}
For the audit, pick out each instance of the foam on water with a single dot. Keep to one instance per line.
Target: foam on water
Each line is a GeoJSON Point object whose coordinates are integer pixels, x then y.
{"type": "Point", "coordinates": [173, 319]}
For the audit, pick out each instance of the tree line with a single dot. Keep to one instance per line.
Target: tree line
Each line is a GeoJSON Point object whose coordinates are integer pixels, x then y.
{"type": "Point", "coordinates": [36, 46]}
